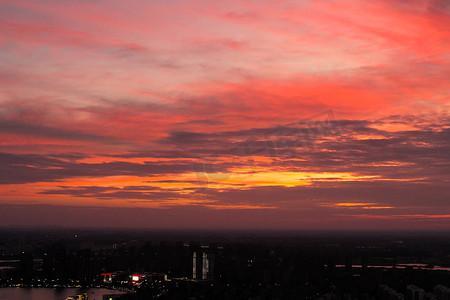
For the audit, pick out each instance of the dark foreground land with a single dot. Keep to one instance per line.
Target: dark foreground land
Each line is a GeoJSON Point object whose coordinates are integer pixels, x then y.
{"type": "Point", "coordinates": [230, 265]}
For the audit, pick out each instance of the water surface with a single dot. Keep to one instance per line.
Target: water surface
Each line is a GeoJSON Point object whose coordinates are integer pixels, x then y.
{"type": "Point", "coordinates": [51, 294]}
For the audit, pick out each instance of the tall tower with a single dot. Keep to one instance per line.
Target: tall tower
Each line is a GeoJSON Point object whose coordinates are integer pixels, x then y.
{"type": "Point", "coordinates": [202, 265]}
{"type": "Point", "coordinates": [205, 266]}
{"type": "Point", "coordinates": [194, 265]}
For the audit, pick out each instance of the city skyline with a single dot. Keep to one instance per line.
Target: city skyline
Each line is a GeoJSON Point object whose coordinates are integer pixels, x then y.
{"type": "Point", "coordinates": [225, 115]}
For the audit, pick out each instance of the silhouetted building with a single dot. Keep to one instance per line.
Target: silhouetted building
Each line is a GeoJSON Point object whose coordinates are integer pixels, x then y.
{"type": "Point", "coordinates": [430, 296]}
{"type": "Point", "coordinates": [388, 293]}
{"type": "Point", "coordinates": [202, 265]}
{"type": "Point", "coordinates": [26, 267]}
{"type": "Point", "coordinates": [414, 293]}
{"type": "Point", "coordinates": [442, 292]}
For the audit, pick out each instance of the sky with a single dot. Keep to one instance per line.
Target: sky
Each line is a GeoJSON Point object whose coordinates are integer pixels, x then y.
{"type": "Point", "coordinates": [225, 114]}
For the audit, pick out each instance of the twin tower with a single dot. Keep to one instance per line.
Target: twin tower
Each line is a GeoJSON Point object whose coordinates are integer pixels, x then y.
{"type": "Point", "coordinates": [202, 265]}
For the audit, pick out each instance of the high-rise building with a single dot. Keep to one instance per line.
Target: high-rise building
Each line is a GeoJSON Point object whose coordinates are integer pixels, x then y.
{"type": "Point", "coordinates": [202, 265]}
{"type": "Point", "coordinates": [429, 296]}
{"type": "Point", "coordinates": [194, 265]}
{"type": "Point", "coordinates": [387, 293]}
{"type": "Point", "coordinates": [442, 292]}
{"type": "Point", "coordinates": [414, 293]}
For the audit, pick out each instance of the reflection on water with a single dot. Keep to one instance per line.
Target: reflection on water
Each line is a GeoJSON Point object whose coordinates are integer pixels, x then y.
{"type": "Point", "coordinates": [402, 266]}
{"type": "Point", "coordinates": [51, 294]}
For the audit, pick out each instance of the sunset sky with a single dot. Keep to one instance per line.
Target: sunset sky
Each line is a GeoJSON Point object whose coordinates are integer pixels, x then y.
{"type": "Point", "coordinates": [225, 114]}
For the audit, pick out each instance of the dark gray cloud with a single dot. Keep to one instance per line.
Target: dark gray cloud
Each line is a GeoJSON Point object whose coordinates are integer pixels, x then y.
{"type": "Point", "coordinates": [396, 193]}
{"type": "Point", "coordinates": [22, 168]}
{"type": "Point", "coordinates": [147, 193]}
{"type": "Point", "coordinates": [334, 146]}
{"type": "Point", "coordinates": [298, 204]}
{"type": "Point", "coordinates": [302, 130]}
{"type": "Point", "coordinates": [23, 128]}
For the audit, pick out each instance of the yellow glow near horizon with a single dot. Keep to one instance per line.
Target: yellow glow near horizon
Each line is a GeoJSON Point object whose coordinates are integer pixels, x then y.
{"type": "Point", "coordinates": [246, 178]}
{"type": "Point", "coordinates": [357, 205]}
